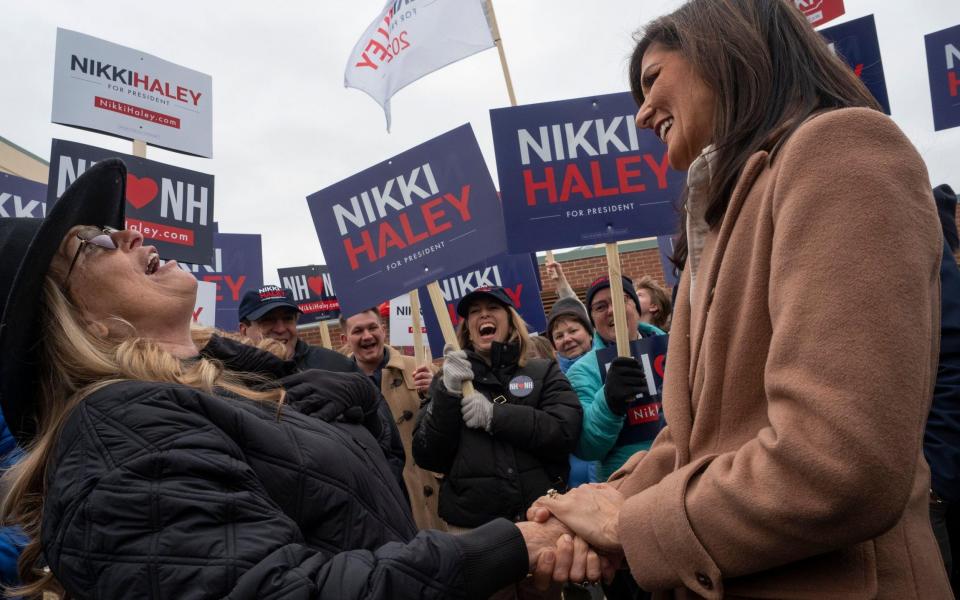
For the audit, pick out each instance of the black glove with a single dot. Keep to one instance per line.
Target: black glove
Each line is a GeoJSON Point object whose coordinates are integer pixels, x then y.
{"type": "Point", "coordinates": [241, 358]}
{"type": "Point", "coordinates": [330, 395]}
{"type": "Point", "coordinates": [625, 380]}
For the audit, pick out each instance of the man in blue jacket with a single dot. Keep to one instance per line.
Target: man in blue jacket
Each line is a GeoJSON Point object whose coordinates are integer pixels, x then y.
{"type": "Point", "coordinates": [607, 435]}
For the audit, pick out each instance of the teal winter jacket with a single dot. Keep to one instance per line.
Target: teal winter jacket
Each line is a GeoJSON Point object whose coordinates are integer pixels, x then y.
{"type": "Point", "coordinates": [599, 439]}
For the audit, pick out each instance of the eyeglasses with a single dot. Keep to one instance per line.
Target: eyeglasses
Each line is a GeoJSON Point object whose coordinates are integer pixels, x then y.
{"type": "Point", "coordinates": [602, 306]}
{"type": "Point", "coordinates": [97, 236]}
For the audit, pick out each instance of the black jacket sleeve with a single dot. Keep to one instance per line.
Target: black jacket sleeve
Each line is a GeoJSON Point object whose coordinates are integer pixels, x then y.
{"type": "Point", "coordinates": [242, 358]}
{"type": "Point", "coordinates": [549, 429]}
{"type": "Point", "coordinates": [179, 513]}
{"type": "Point", "coordinates": [390, 442]}
{"type": "Point", "coordinates": [436, 436]}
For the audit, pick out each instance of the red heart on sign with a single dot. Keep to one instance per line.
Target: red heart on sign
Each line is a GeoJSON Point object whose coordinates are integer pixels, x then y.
{"type": "Point", "coordinates": [140, 192]}
{"type": "Point", "coordinates": [316, 284]}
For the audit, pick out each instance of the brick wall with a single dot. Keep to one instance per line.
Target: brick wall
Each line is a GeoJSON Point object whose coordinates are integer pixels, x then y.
{"type": "Point", "coordinates": [311, 335]}
{"type": "Point", "coordinates": [581, 272]}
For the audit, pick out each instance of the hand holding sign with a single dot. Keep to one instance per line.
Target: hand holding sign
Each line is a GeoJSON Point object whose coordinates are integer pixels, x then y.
{"type": "Point", "coordinates": [624, 380]}
{"type": "Point", "coordinates": [456, 369]}
{"type": "Point", "coordinates": [422, 378]}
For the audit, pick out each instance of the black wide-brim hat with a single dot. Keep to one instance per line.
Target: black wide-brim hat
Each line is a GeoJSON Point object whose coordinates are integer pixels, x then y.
{"type": "Point", "coordinates": [497, 293]}
{"type": "Point", "coordinates": [28, 246]}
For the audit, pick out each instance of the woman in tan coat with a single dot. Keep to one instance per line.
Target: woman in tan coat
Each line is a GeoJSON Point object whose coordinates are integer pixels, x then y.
{"type": "Point", "coordinates": [791, 466]}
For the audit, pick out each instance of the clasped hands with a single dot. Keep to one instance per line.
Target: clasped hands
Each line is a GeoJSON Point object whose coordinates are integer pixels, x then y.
{"type": "Point", "coordinates": [574, 536]}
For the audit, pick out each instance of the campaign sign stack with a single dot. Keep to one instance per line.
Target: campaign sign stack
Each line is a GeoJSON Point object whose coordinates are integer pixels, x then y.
{"type": "Point", "coordinates": [943, 66]}
{"type": "Point", "coordinates": [237, 266]}
{"type": "Point", "coordinates": [579, 171]}
{"type": "Point", "coordinates": [418, 217]}
{"type": "Point", "coordinates": [172, 207]}
{"type": "Point", "coordinates": [21, 197]}
{"type": "Point", "coordinates": [513, 273]}
{"type": "Point", "coordinates": [643, 412]}
{"type": "Point", "coordinates": [857, 44]}
{"type": "Point", "coordinates": [313, 292]}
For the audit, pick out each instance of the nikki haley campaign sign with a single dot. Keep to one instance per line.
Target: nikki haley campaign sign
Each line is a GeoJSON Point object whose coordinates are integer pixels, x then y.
{"type": "Point", "coordinates": [21, 197]}
{"type": "Point", "coordinates": [514, 273]}
{"type": "Point", "coordinates": [237, 266]}
{"type": "Point", "coordinates": [410, 220]}
{"type": "Point", "coordinates": [857, 44]}
{"type": "Point", "coordinates": [943, 67]}
{"type": "Point", "coordinates": [172, 207]}
{"type": "Point", "coordinates": [579, 171]}
{"type": "Point", "coordinates": [313, 292]}
{"type": "Point", "coordinates": [106, 87]}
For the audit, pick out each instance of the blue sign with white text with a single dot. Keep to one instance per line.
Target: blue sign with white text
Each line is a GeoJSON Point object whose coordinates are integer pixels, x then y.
{"type": "Point", "coordinates": [514, 273]}
{"type": "Point", "coordinates": [313, 292]}
{"type": "Point", "coordinates": [857, 44]}
{"type": "Point", "coordinates": [237, 267]}
{"type": "Point", "coordinates": [170, 206]}
{"type": "Point", "coordinates": [410, 220]}
{"type": "Point", "coordinates": [643, 412]}
{"type": "Point", "coordinates": [943, 67]}
{"type": "Point", "coordinates": [577, 172]}
{"type": "Point", "coordinates": [21, 197]}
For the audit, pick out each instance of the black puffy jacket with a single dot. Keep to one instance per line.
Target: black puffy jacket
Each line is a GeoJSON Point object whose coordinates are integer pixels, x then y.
{"type": "Point", "coordinates": [499, 474]}
{"type": "Point", "coordinates": [245, 359]}
{"type": "Point", "coordinates": [160, 490]}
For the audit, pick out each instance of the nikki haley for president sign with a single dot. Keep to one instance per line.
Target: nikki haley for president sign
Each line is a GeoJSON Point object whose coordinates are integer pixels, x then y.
{"type": "Point", "coordinates": [172, 207]}
{"type": "Point", "coordinates": [579, 172]}
{"type": "Point", "coordinates": [120, 91]}
{"type": "Point", "coordinates": [415, 218]}
{"type": "Point", "coordinates": [943, 67]}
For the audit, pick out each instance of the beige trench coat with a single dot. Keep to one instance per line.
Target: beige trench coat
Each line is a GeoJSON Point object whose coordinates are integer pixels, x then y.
{"type": "Point", "coordinates": [797, 387]}
{"type": "Point", "coordinates": [423, 486]}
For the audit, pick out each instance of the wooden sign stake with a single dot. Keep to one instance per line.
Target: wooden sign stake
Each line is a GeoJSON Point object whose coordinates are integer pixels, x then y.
{"type": "Point", "coordinates": [140, 148]}
{"type": "Point", "coordinates": [419, 351]}
{"type": "Point", "coordinates": [616, 297]}
{"type": "Point", "coordinates": [325, 335]}
{"type": "Point", "coordinates": [446, 326]}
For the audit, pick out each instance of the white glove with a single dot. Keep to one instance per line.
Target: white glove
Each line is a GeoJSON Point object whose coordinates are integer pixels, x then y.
{"type": "Point", "coordinates": [456, 369]}
{"type": "Point", "coordinates": [477, 411]}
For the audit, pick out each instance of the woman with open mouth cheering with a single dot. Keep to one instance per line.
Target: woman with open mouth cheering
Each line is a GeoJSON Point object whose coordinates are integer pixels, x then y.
{"type": "Point", "coordinates": [505, 445]}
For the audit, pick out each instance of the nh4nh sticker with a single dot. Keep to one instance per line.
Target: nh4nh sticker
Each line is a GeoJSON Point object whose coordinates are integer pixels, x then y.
{"type": "Point", "coordinates": [521, 386]}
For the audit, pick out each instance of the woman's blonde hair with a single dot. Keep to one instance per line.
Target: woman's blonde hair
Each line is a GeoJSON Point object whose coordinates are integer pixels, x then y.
{"type": "Point", "coordinates": [74, 364]}
{"type": "Point", "coordinates": [519, 334]}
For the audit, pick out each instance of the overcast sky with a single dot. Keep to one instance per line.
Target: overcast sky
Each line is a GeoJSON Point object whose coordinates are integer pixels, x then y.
{"type": "Point", "coordinates": [284, 126]}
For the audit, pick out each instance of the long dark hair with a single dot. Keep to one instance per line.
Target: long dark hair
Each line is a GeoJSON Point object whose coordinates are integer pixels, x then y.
{"type": "Point", "coordinates": [769, 70]}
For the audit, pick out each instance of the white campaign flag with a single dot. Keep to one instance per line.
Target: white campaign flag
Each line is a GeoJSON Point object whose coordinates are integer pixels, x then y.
{"type": "Point", "coordinates": [411, 38]}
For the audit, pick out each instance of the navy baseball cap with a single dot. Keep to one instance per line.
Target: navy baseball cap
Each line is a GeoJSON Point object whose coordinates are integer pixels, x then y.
{"type": "Point", "coordinates": [260, 301]}
{"type": "Point", "coordinates": [497, 293]}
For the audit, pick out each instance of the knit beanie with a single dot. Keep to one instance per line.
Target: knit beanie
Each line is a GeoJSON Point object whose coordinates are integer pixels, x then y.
{"type": "Point", "coordinates": [603, 283]}
{"type": "Point", "coordinates": [569, 308]}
